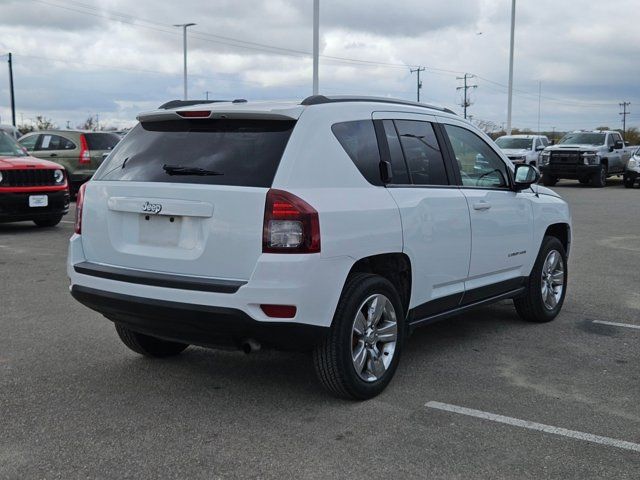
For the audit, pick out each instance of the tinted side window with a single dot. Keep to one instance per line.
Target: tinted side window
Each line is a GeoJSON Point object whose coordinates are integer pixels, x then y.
{"type": "Point", "coordinates": [545, 142]}
{"type": "Point", "coordinates": [479, 165]}
{"type": "Point", "coordinates": [398, 165]}
{"type": "Point", "coordinates": [101, 141]}
{"type": "Point", "coordinates": [235, 152]}
{"type": "Point", "coordinates": [358, 138]}
{"type": "Point", "coordinates": [422, 153]}
{"type": "Point", "coordinates": [610, 140]}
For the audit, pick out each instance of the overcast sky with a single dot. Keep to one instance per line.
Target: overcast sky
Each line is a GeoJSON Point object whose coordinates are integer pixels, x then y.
{"type": "Point", "coordinates": [115, 58]}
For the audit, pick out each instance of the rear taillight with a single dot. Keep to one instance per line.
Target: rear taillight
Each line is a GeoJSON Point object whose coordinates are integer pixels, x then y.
{"type": "Point", "coordinates": [85, 155]}
{"type": "Point", "coordinates": [291, 225]}
{"type": "Point", "coordinates": [195, 114]}
{"type": "Point", "coordinates": [79, 204]}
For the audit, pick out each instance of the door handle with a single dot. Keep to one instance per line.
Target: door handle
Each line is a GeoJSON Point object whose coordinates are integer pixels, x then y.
{"type": "Point", "coordinates": [482, 205]}
{"type": "Point", "coordinates": [53, 155]}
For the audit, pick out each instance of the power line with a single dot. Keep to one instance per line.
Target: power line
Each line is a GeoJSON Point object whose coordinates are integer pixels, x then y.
{"type": "Point", "coordinates": [466, 102]}
{"type": "Point", "coordinates": [418, 83]}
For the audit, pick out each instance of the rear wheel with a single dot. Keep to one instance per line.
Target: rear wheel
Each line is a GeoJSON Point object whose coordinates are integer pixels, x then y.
{"type": "Point", "coordinates": [546, 286]}
{"type": "Point", "coordinates": [549, 180]}
{"type": "Point", "coordinates": [147, 345]}
{"type": "Point", "coordinates": [48, 221]}
{"type": "Point", "coordinates": [584, 180]}
{"type": "Point", "coordinates": [599, 179]}
{"type": "Point", "coordinates": [360, 354]}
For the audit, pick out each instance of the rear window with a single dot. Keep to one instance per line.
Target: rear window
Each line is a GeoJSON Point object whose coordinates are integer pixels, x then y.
{"type": "Point", "coordinates": [101, 141]}
{"type": "Point", "coordinates": [215, 152]}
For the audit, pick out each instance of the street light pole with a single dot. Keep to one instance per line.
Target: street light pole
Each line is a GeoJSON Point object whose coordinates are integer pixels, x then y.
{"type": "Point", "coordinates": [184, 27]}
{"type": "Point", "coordinates": [11, 91]}
{"type": "Point", "coordinates": [510, 101]}
{"type": "Point", "coordinates": [316, 45]}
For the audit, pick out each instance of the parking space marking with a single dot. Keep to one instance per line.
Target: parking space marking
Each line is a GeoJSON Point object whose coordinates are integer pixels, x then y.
{"type": "Point", "coordinates": [616, 324]}
{"type": "Point", "coordinates": [516, 422]}
{"type": "Point", "coordinates": [66, 221]}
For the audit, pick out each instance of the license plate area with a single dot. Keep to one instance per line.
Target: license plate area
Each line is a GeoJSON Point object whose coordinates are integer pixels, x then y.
{"type": "Point", "coordinates": [160, 230]}
{"type": "Point", "coordinates": [37, 201]}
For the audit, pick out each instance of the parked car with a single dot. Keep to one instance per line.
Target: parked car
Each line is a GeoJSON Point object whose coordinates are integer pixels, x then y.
{"type": "Point", "coordinates": [336, 225]}
{"type": "Point", "coordinates": [632, 172]}
{"type": "Point", "coordinates": [590, 157]}
{"type": "Point", "coordinates": [80, 152]}
{"type": "Point", "coordinates": [523, 148]}
{"type": "Point", "coordinates": [10, 130]}
{"type": "Point", "coordinates": [30, 188]}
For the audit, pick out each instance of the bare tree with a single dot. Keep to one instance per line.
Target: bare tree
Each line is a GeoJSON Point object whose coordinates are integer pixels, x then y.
{"type": "Point", "coordinates": [44, 123]}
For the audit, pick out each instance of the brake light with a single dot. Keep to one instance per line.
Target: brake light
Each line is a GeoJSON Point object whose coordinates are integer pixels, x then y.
{"type": "Point", "coordinates": [195, 114]}
{"type": "Point", "coordinates": [291, 225]}
{"type": "Point", "coordinates": [79, 204]}
{"type": "Point", "coordinates": [85, 155]}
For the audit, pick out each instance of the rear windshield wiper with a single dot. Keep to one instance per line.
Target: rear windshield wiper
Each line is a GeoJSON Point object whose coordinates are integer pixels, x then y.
{"type": "Point", "coordinates": [181, 170]}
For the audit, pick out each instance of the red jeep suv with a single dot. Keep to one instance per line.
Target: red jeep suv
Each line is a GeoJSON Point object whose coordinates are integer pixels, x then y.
{"type": "Point", "coordinates": [30, 188]}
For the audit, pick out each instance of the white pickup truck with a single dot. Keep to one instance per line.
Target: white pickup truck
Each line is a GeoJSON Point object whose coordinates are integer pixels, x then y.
{"type": "Point", "coordinates": [523, 148]}
{"type": "Point", "coordinates": [590, 157]}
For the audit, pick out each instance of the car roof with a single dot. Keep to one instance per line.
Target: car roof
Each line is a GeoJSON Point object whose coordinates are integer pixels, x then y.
{"type": "Point", "coordinates": [286, 109]}
{"type": "Point", "coordinates": [523, 136]}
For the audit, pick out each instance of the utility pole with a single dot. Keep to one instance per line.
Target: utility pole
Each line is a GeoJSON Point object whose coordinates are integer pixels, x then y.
{"type": "Point", "coordinates": [419, 83]}
{"type": "Point", "coordinates": [184, 27]}
{"type": "Point", "coordinates": [316, 46]}
{"type": "Point", "coordinates": [624, 114]}
{"type": "Point", "coordinates": [466, 102]}
{"type": "Point", "coordinates": [539, 103]}
{"type": "Point", "coordinates": [510, 99]}
{"type": "Point", "coordinates": [11, 92]}
{"type": "Point", "coordinates": [206, 94]}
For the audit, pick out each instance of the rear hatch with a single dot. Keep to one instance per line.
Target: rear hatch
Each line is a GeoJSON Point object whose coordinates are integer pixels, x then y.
{"type": "Point", "coordinates": [185, 196]}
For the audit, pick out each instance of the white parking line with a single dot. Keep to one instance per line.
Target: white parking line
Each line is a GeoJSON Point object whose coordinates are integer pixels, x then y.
{"type": "Point", "coordinates": [66, 221]}
{"type": "Point", "coordinates": [612, 442]}
{"type": "Point", "coordinates": [616, 324]}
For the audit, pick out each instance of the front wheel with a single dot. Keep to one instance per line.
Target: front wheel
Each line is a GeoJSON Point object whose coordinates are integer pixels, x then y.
{"type": "Point", "coordinates": [628, 182]}
{"type": "Point", "coordinates": [549, 180]}
{"type": "Point", "coordinates": [600, 179]}
{"type": "Point", "coordinates": [360, 354]}
{"type": "Point", "coordinates": [546, 286]}
{"type": "Point", "coordinates": [48, 221]}
{"type": "Point", "coordinates": [147, 345]}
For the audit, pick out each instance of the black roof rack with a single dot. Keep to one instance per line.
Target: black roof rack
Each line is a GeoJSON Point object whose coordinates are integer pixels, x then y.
{"type": "Point", "coordinates": [320, 99]}
{"type": "Point", "coordinates": [185, 103]}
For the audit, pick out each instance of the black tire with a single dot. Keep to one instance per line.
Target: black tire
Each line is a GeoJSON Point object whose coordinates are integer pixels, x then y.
{"type": "Point", "coordinates": [48, 221]}
{"type": "Point", "coordinates": [530, 306]}
{"type": "Point", "coordinates": [584, 180]}
{"type": "Point", "coordinates": [549, 180]}
{"type": "Point", "coordinates": [599, 179]}
{"type": "Point", "coordinates": [147, 345]}
{"type": "Point", "coordinates": [333, 357]}
{"type": "Point", "coordinates": [628, 182]}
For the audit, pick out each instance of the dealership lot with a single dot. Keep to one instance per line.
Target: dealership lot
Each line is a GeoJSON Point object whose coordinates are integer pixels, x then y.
{"type": "Point", "coordinates": [75, 403]}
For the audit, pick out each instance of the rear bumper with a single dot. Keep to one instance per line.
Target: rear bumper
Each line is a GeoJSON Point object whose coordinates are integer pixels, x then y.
{"type": "Point", "coordinates": [572, 171]}
{"type": "Point", "coordinates": [309, 282]}
{"type": "Point", "coordinates": [14, 206]}
{"type": "Point", "coordinates": [194, 324]}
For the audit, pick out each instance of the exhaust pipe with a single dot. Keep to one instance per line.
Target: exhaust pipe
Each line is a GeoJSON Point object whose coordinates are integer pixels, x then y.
{"type": "Point", "coordinates": [249, 346]}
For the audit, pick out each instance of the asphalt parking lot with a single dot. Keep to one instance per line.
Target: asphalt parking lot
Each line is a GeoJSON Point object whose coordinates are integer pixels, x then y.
{"type": "Point", "coordinates": [76, 403]}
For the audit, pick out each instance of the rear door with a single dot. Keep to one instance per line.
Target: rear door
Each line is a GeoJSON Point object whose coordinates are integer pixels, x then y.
{"type": "Point", "coordinates": [57, 148]}
{"type": "Point", "coordinates": [435, 217]}
{"type": "Point", "coordinates": [148, 208]}
{"type": "Point", "coordinates": [501, 219]}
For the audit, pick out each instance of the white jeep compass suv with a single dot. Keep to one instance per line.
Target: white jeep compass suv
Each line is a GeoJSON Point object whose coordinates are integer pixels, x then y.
{"type": "Point", "coordinates": [335, 225]}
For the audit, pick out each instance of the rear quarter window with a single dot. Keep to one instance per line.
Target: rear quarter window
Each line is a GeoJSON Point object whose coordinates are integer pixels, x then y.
{"type": "Point", "coordinates": [101, 141]}
{"type": "Point", "coordinates": [237, 152]}
{"type": "Point", "coordinates": [358, 138]}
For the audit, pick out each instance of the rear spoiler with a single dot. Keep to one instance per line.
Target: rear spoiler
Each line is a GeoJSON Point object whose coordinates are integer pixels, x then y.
{"type": "Point", "coordinates": [186, 103]}
{"type": "Point", "coordinates": [228, 111]}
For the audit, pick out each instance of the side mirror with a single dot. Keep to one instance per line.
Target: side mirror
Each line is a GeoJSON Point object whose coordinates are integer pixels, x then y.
{"type": "Point", "coordinates": [386, 173]}
{"type": "Point", "coordinates": [618, 145]}
{"type": "Point", "coordinates": [539, 148]}
{"type": "Point", "coordinates": [525, 176]}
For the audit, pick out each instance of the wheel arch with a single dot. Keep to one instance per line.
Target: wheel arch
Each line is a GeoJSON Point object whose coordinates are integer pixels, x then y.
{"type": "Point", "coordinates": [395, 267]}
{"type": "Point", "coordinates": [562, 231]}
